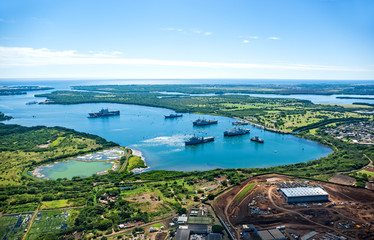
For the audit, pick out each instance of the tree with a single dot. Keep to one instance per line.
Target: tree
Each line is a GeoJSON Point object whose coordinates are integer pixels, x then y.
{"type": "Point", "coordinates": [211, 196]}
{"type": "Point", "coordinates": [217, 229]}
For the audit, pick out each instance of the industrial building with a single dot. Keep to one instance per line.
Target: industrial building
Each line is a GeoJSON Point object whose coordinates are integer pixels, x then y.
{"type": "Point", "coordinates": [304, 194]}
{"type": "Point", "coordinates": [272, 234]}
{"type": "Point", "coordinates": [184, 232]}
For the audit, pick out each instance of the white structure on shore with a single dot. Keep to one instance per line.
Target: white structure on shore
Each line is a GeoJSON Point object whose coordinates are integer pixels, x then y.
{"type": "Point", "coordinates": [304, 194]}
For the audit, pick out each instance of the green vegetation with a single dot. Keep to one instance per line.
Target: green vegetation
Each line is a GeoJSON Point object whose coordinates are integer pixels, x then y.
{"type": "Point", "coordinates": [368, 173]}
{"type": "Point", "coordinates": [276, 114]}
{"type": "Point", "coordinates": [120, 196]}
{"type": "Point", "coordinates": [13, 226]}
{"type": "Point", "coordinates": [283, 115]}
{"type": "Point", "coordinates": [17, 90]}
{"type": "Point", "coordinates": [135, 162]}
{"type": "Point", "coordinates": [322, 89]}
{"type": "Point", "coordinates": [24, 148]}
{"type": "Point", "coordinates": [62, 203]}
{"type": "Point", "coordinates": [103, 201]}
{"type": "Point", "coordinates": [4, 117]}
{"type": "Point", "coordinates": [49, 221]}
{"type": "Point", "coordinates": [199, 220]}
{"type": "Point", "coordinates": [244, 192]}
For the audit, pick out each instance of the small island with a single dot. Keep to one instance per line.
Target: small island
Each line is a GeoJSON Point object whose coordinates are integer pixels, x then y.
{"type": "Point", "coordinates": [19, 90]}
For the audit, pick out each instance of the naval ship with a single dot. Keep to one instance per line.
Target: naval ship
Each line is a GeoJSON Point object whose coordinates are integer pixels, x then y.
{"type": "Point", "coordinates": [236, 131]}
{"type": "Point", "coordinates": [197, 140]}
{"type": "Point", "coordinates": [204, 122]}
{"type": "Point", "coordinates": [257, 139]}
{"type": "Point", "coordinates": [239, 123]}
{"type": "Point", "coordinates": [173, 115]}
{"type": "Point", "coordinates": [104, 112]}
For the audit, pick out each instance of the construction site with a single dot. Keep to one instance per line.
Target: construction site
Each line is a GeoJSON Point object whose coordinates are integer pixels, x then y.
{"type": "Point", "coordinates": [282, 207]}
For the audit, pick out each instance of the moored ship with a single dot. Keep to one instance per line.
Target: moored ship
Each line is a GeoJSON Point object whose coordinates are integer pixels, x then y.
{"type": "Point", "coordinates": [197, 140]}
{"type": "Point", "coordinates": [236, 131]}
{"type": "Point", "coordinates": [173, 115]}
{"type": "Point", "coordinates": [257, 139]}
{"type": "Point", "coordinates": [32, 102]}
{"type": "Point", "coordinates": [240, 123]}
{"type": "Point", "coordinates": [204, 122]}
{"type": "Point", "coordinates": [103, 113]}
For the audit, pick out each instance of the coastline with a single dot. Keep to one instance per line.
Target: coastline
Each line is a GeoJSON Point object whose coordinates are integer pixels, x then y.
{"type": "Point", "coordinates": [263, 127]}
{"type": "Point", "coordinates": [139, 154]}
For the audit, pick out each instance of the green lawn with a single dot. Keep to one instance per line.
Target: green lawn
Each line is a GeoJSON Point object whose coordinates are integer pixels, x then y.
{"type": "Point", "coordinates": [245, 191]}
{"type": "Point", "coordinates": [62, 203]}
{"type": "Point", "coordinates": [371, 174]}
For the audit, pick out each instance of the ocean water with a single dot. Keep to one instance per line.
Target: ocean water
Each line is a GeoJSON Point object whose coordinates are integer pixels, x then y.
{"type": "Point", "coordinates": [162, 140]}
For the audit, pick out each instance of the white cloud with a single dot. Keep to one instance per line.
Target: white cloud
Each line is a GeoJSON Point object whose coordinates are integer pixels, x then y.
{"type": "Point", "coordinates": [245, 41]}
{"type": "Point", "coordinates": [273, 38]}
{"type": "Point", "coordinates": [254, 37]}
{"type": "Point", "coordinates": [208, 33]}
{"type": "Point", "coordinates": [22, 56]}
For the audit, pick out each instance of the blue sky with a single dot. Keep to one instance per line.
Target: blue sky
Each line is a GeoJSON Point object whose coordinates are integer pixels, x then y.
{"type": "Point", "coordinates": [276, 39]}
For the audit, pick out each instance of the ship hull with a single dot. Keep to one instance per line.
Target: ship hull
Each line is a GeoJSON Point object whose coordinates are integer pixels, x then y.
{"type": "Point", "coordinates": [257, 140]}
{"type": "Point", "coordinates": [173, 116]}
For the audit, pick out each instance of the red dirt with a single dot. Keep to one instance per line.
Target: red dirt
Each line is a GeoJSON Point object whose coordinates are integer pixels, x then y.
{"type": "Point", "coordinates": [354, 208]}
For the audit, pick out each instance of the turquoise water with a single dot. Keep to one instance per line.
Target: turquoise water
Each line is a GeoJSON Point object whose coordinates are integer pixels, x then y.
{"type": "Point", "coordinates": [69, 169]}
{"type": "Point", "coordinates": [162, 140]}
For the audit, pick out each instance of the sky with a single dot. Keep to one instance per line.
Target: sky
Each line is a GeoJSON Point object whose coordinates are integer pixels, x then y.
{"type": "Point", "coordinates": [146, 39]}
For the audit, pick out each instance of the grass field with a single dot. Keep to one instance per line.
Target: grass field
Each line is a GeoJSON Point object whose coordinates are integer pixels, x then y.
{"type": "Point", "coordinates": [135, 162]}
{"type": "Point", "coordinates": [245, 191]}
{"type": "Point", "coordinates": [62, 203]}
{"type": "Point", "coordinates": [199, 220]}
{"type": "Point", "coordinates": [371, 174]}
{"type": "Point", "coordinates": [49, 221]}
{"type": "Point", "coordinates": [13, 226]}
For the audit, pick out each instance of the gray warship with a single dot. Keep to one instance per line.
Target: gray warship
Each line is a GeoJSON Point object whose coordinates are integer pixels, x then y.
{"type": "Point", "coordinates": [197, 140]}
{"type": "Point", "coordinates": [173, 115]}
{"type": "Point", "coordinates": [236, 131]}
{"type": "Point", "coordinates": [257, 139]}
{"type": "Point", "coordinates": [239, 123]}
{"type": "Point", "coordinates": [204, 122]}
{"type": "Point", "coordinates": [104, 112]}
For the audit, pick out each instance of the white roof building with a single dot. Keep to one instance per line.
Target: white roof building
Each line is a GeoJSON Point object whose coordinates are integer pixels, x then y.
{"type": "Point", "coordinates": [304, 194]}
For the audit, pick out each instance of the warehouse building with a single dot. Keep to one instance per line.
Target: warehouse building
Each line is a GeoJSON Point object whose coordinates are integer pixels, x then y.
{"type": "Point", "coordinates": [304, 194]}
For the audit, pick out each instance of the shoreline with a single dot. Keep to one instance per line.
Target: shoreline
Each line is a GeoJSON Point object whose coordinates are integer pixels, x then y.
{"type": "Point", "coordinates": [263, 127]}
{"type": "Point", "coordinates": [139, 154]}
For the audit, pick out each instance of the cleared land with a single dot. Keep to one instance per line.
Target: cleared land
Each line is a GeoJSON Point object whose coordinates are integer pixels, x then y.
{"type": "Point", "coordinates": [349, 213]}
